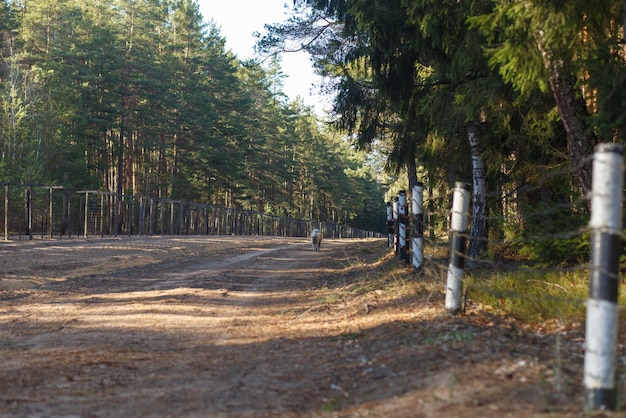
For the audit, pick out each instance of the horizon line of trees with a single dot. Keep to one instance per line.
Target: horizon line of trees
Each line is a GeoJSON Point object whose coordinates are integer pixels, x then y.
{"type": "Point", "coordinates": [142, 98]}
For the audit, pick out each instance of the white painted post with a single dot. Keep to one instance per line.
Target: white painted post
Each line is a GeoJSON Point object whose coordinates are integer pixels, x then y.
{"type": "Point", "coordinates": [417, 240]}
{"type": "Point", "coordinates": [389, 225]}
{"type": "Point", "coordinates": [402, 224]}
{"type": "Point", "coordinates": [606, 248]}
{"type": "Point", "coordinates": [396, 240]}
{"type": "Point", "coordinates": [458, 239]}
{"type": "Point", "coordinates": [51, 213]}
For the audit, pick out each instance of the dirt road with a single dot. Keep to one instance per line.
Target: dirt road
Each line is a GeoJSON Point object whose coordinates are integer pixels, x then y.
{"type": "Point", "coordinates": [255, 327]}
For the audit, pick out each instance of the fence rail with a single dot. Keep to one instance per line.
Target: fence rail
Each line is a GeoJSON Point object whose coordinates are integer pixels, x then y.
{"type": "Point", "coordinates": [58, 212]}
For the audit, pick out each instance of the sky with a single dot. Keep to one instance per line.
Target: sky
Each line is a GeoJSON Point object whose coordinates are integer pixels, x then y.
{"type": "Point", "coordinates": [239, 19]}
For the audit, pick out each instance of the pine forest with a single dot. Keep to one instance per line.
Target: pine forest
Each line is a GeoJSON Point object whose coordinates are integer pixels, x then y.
{"type": "Point", "coordinates": [141, 97]}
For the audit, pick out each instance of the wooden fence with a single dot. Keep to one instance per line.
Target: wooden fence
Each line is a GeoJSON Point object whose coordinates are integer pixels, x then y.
{"type": "Point", "coordinates": [57, 212]}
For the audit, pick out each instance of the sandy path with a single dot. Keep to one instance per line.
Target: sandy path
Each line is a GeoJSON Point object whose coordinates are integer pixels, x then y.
{"type": "Point", "coordinates": [161, 327]}
{"type": "Point", "coordinates": [251, 327]}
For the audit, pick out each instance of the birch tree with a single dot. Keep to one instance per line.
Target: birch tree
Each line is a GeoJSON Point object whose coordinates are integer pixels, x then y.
{"type": "Point", "coordinates": [479, 225]}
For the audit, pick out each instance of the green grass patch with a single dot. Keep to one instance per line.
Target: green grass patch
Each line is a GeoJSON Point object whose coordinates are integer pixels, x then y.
{"type": "Point", "coordinates": [351, 336]}
{"type": "Point", "coordinates": [443, 337]}
{"type": "Point", "coordinates": [332, 297]}
{"type": "Point", "coordinates": [533, 295]}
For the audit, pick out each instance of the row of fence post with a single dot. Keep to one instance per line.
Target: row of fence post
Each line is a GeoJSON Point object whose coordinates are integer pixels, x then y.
{"type": "Point", "coordinates": [458, 242]}
{"type": "Point", "coordinates": [601, 329]}
{"type": "Point", "coordinates": [601, 365]}
{"type": "Point", "coordinates": [66, 213]}
{"type": "Point", "coordinates": [398, 222]}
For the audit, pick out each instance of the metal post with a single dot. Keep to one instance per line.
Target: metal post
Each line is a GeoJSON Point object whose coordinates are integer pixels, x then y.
{"type": "Point", "coordinates": [151, 218]}
{"type": "Point", "coordinates": [142, 215]}
{"type": "Point", "coordinates": [51, 214]}
{"type": "Point", "coordinates": [161, 217]}
{"type": "Point", "coordinates": [181, 218]}
{"type": "Point", "coordinates": [458, 239]}
{"type": "Point", "coordinates": [606, 248]}
{"type": "Point", "coordinates": [172, 218]}
{"type": "Point", "coordinates": [6, 212]}
{"type": "Point", "coordinates": [102, 215]}
{"type": "Point", "coordinates": [29, 210]}
{"type": "Point", "coordinates": [131, 216]}
{"type": "Point", "coordinates": [110, 201]}
{"type": "Point", "coordinates": [417, 210]}
{"type": "Point", "coordinates": [118, 213]}
{"type": "Point", "coordinates": [69, 215]}
{"type": "Point", "coordinates": [86, 214]}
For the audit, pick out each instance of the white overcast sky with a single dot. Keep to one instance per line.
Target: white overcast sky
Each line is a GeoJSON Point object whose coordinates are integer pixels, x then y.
{"type": "Point", "coordinates": [239, 19]}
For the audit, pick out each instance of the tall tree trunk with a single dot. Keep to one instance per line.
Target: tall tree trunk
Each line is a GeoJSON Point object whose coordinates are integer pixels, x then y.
{"type": "Point", "coordinates": [411, 169]}
{"type": "Point", "coordinates": [623, 22]}
{"type": "Point", "coordinates": [120, 173]}
{"type": "Point", "coordinates": [572, 112]}
{"type": "Point", "coordinates": [479, 227]}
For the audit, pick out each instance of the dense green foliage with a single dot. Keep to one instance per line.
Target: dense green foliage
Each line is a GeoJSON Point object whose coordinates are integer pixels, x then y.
{"type": "Point", "coordinates": [141, 97]}
{"type": "Point", "coordinates": [508, 95]}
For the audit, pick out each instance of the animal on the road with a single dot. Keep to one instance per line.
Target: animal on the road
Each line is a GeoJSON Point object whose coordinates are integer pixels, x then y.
{"type": "Point", "coordinates": [316, 239]}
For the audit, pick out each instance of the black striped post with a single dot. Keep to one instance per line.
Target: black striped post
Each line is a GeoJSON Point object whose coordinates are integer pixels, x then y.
{"type": "Point", "coordinates": [458, 240]}
{"type": "Point", "coordinates": [417, 239]}
{"type": "Point", "coordinates": [402, 224]}
{"type": "Point", "coordinates": [396, 239]}
{"type": "Point", "coordinates": [606, 248]}
{"type": "Point", "coordinates": [390, 224]}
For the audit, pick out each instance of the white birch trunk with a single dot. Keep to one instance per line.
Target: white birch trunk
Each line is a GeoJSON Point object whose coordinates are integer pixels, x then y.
{"type": "Point", "coordinates": [478, 230]}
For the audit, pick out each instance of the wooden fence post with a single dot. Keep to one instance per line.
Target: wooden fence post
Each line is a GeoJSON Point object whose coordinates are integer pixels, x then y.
{"type": "Point", "coordinates": [389, 224]}
{"type": "Point", "coordinates": [417, 210]}
{"type": "Point", "coordinates": [602, 308]}
{"type": "Point", "coordinates": [458, 239]}
{"type": "Point", "coordinates": [402, 221]}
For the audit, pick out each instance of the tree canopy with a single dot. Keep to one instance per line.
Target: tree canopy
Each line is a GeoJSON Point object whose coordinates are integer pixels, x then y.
{"type": "Point", "coordinates": [496, 93]}
{"type": "Point", "coordinates": [142, 97]}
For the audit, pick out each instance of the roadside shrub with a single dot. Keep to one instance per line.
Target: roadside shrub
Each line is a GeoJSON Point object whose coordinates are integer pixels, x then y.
{"type": "Point", "coordinates": [554, 236]}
